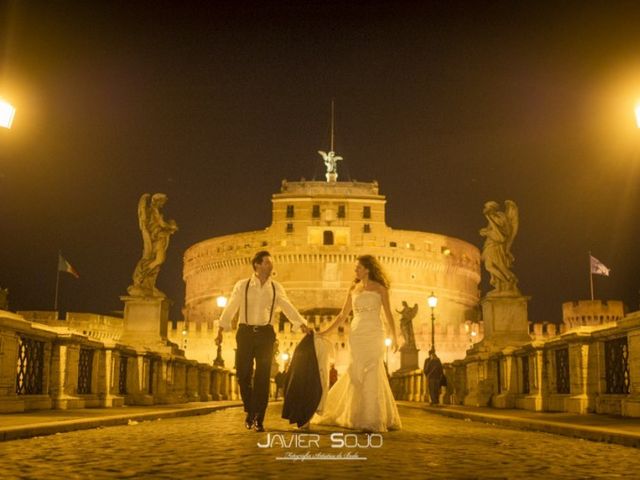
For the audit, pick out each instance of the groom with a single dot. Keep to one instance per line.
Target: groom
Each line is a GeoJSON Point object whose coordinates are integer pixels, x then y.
{"type": "Point", "coordinates": [255, 299]}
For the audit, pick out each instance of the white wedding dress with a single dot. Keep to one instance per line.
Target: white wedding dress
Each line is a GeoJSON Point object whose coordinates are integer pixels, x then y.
{"type": "Point", "coordinates": [361, 399]}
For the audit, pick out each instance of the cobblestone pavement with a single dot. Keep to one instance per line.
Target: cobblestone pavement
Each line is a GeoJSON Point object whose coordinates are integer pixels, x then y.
{"type": "Point", "coordinates": [218, 446]}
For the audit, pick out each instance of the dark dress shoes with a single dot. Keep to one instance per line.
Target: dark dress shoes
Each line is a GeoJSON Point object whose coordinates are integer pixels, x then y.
{"type": "Point", "coordinates": [248, 421]}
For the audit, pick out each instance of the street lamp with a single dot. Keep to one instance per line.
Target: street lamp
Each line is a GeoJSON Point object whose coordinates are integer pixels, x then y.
{"type": "Point", "coordinates": [433, 303]}
{"type": "Point", "coordinates": [285, 360]}
{"type": "Point", "coordinates": [387, 343]}
{"type": "Point", "coordinates": [7, 112]}
{"type": "Point", "coordinates": [221, 302]}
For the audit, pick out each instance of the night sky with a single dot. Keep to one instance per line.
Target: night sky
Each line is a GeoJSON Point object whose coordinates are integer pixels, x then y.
{"type": "Point", "coordinates": [446, 104]}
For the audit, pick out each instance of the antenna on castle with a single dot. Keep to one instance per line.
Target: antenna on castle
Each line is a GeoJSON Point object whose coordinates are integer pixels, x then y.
{"type": "Point", "coordinates": [330, 158]}
{"type": "Point", "coordinates": [333, 102]}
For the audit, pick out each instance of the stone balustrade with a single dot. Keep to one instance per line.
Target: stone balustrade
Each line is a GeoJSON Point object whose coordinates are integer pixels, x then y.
{"type": "Point", "coordinates": [47, 366]}
{"type": "Point", "coordinates": [587, 369]}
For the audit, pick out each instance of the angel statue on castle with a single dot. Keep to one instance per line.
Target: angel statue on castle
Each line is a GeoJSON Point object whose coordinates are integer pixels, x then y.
{"type": "Point", "coordinates": [500, 231]}
{"type": "Point", "coordinates": [331, 162]}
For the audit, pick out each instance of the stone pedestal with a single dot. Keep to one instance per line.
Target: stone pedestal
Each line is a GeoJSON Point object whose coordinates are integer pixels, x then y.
{"type": "Point", "coordinates": [506, 323]}
{"type": "Point", "coordinates": [146, 322]}
{"type": "Point", "coordinates": [409, 359]}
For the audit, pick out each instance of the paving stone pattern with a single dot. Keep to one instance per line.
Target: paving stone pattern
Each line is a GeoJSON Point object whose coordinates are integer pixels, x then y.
{"type": "Point", "coordinates": [217, 446]}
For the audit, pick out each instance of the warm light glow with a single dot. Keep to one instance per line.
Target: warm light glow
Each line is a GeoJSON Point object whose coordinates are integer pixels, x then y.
{"type": "Point", "coordinates": [387, 342]}
{"type": "Point", "coordinates": [638, 115]}
{"type": "Point", "coordinates": [7, 113]}
{"type": "Point", "coordinates": [184, 332]}
{"type": "Point", "coordinates": [221, 301]}
{"type": "Point", "coordinates": [473, 334]}
{"type": "Point", "coordinates": [432, 300]}
{"type": "Point", "coordinates": [285, 357]}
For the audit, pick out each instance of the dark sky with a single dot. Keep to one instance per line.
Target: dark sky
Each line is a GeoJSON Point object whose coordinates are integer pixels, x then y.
{"type": "Point", "coordinates": [446, 104]}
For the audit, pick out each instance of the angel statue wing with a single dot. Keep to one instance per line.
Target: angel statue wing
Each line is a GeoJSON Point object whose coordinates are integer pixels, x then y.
{"type": "Point", "coordinates": [324, 155]}
{"type": "Point", "coordinates": [414, 311]}
{"type": "Point", "coordinates": [511, 212]}
{"type": "Point", "coordinates": [143, 222]}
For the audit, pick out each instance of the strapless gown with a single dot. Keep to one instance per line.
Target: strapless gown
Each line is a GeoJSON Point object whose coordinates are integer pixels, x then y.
{"type": "Point", "coordinates": [361, 399]}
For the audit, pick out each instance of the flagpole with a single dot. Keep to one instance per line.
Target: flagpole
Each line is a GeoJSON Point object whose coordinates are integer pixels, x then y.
{"type": "Point", "coordinates": [55, 302]}
{"type": "Point", "coordinates": [590, 276]}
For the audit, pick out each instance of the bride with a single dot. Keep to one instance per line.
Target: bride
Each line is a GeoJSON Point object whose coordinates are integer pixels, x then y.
{"type": "Point", "coordinates": [361, 398]}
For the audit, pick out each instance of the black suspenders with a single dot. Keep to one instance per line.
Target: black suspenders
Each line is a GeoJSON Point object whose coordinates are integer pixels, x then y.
{"type": "Point", "coordinates": [246, 302]}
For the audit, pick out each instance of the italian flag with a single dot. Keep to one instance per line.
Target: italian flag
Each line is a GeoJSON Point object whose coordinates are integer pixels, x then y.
{"type": "Point", "coordinates": [64, 266]}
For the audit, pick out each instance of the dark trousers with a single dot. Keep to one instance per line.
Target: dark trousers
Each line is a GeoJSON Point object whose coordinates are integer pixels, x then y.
{"type": "Point", "coordinates": [434, 389]}
{"type": "Point", "coordinates": [254, 345]}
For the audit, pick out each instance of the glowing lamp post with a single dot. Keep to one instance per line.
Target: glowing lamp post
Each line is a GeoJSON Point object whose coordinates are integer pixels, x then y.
{"type": "Point", "coordinates": [7, 112]}
{"type": "Point", "coordinates": [285, 360]}
{"type": "Point", "coordinates": [387, 343]}
{"type": "Point", "coordinates": [432, 301]}
{"type": "Point", "coordinates": [221, 302]}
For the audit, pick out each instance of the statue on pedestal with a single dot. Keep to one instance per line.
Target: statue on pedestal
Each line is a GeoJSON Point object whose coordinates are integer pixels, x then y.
{"type": "Point", "coordinates": [155, 238]}
{"type": "Point", "coordinates": [331, 162]}
{"type": "Point", "coordinates": [500, 231]}
{"type": "Point", "coordinates": [406, 325]}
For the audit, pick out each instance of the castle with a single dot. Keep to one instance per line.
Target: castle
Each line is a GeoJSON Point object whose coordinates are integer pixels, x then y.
{"type": "Point", "coordinates": [317, 231]}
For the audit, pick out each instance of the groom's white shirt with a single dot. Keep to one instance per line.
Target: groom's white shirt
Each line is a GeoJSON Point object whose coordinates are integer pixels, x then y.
{"type": "Point", "coordinates": [259, 301]}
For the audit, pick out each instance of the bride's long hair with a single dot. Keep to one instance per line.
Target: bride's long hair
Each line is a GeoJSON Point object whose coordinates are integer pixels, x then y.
{"type": "Point", "coordinates": [376, 273]}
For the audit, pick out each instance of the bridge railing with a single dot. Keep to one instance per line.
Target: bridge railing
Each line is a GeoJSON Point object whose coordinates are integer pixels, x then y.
{"type": "Point", "coordinates": [44, 367]}
{"type": "Point", "coordinates": [584, 370]}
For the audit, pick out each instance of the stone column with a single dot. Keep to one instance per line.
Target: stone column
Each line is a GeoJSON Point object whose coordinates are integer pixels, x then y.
{"type": "Point", "coordinates": [204, 383]}
{"type": "Point", "coordinates": [582, 398]}
{"type": "Point", "coordinates": [64, 376]}
{"type": "Point", "coordinates": [508, 382]}
{"type": "Point", "coordinates": [631, 405]}
{"type": "Point", "coordinates": [138, 381]}
{"type": "Point", "coordinates": [107, 383]}
{"type": "Point", "coordinates": [9, 399]}
{"type": "Point", "coordinates": [192, 382]}
{"type": "Point", "coordinates": [163, 392]}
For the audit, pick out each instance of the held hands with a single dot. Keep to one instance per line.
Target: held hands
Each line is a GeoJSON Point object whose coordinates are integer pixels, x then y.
{"type": "Point", "coordinates": [336, 322]}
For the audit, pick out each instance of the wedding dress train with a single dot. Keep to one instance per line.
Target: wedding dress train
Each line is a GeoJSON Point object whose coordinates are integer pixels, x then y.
{"type": "Point", "coordinates": [361, 398]}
